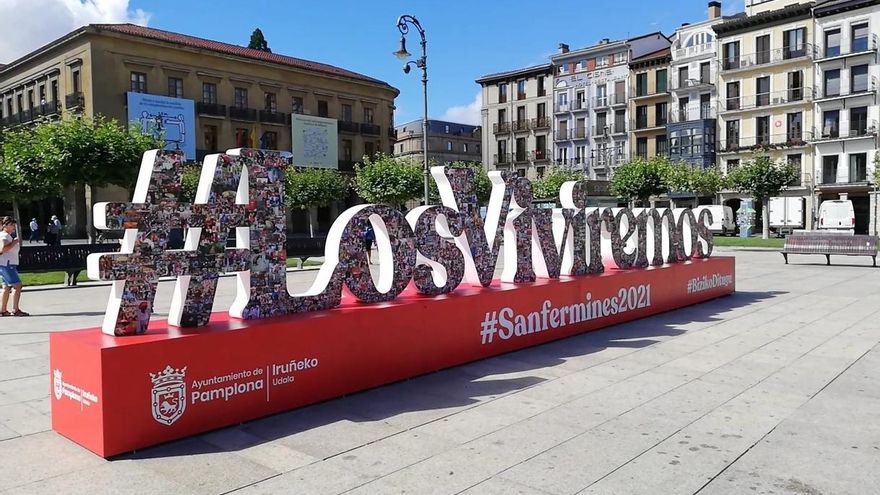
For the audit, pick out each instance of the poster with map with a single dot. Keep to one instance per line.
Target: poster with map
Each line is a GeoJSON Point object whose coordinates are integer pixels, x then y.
{"type": "Point", "coordinates": [314, 141]}
{"type": "Point", "coordinates": [167, 118]}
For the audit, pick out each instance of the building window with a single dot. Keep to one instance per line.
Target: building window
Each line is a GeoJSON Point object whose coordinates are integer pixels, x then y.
{"type": "Point", "coordinates": [347, 113]}
{"type": "Point", "coordinates": [642, 84]}
{"type": "Point", "coordinates": [762, 128]}
{"type": "Point", "coordinates": [369, 148]}
{"type": "Point", "coordinates": [54, 90]}
{"type": "Point", "coordinates": [448, 145]}
{"type": "Point", "coordinates": [831, 123]}
{"type": "Point", "coordinates": [270, 103]}
{"type": "Point", "coordinates": [138, 82]}
{"type": "Point", "coordinates": [661, 80]}
{"type": "Point", "coordinates": [269, 140]}
{"type": "Point", "coordinates": [732, 164]}
{"type": "Point", "coordinates": [858, 121]}
{"type": "Point", "coordinates": [502, 93]}
{"type": "Point", "coordinates": [794, 125]}
{"type": "Point", "coordinates": [241, 138]}
{"type": "Point", "coordinates": [175, 87]}
{"type": "Point", "coordinates": [347, 151]}
{"type": "Point", "coordinates": [860, 38]}
{"type": "Point", "coordinates": [662, 146]}
{"type": "Point", "coordinates": [42, 94]}
{"type": "Point", "coordinates": [829, 169]}
{"type": "Point", "coordinates": [642, 147]}
{"type": "Point", "coordinates": [541, 90]}
{"type": "Point", "coordinates": [240, 98]}
{"type": "Point", "coordinates": [730, 51]}
{"type": "Point", "coordinates": [602, 61]}
{"type": "Point", "coordinates": [323, 108]}
{"type": "Point", "coordinates": [368, 115]}
{"type": "Point", "coordinates": [446, 129]}
{"type": "Point", "coordinates": [30, 99]}
{"type": "Point", "coordinates": [683, 76]}
{"type": "Point", "coordinates": [762, 90]}
{"type": "Point", "coordinates": [540, 171]}
{"type": "Point", "coordinates": [619, 57]}
{"type": "Point", "coordinates": [832, 82]}
{"type": "Point", "coordinates": [209, 93]}
{"type": "Point", "coordinates": [859, 79]}
{"type": "Point", "coordinates": [795, 86]}
{"type": "Point", "coordinates": [296, 105]}
{"type": "Point", "coordinates": [762, 48]}
{"type": "Point", "coordinates": [732, 135]}
{"type": "Point", "coordinates": [832, 42]}
{"type": "Point", "coordinates": [641, 117]}
{"type": "Point", "coordinates": [858, 167]}
{"type": "Point", "coordinates": [794, 43]}
{"type": "Point", "coordinates": [210, 138]}
{"type": "Point", "coordinates": [502, 115]}
{"type": "Point", "coordinates": [705, 73]}
{"type": "Point", "coordinates": [521, 89]}
{"type": "Point", "coordinates": [76, 78]}
{"type": "Point", "coordinates": [464, 147]}
{"type": "Point", "coordinates": [661, 112]}
{"type": "Point", "coordinates": [795, 162]}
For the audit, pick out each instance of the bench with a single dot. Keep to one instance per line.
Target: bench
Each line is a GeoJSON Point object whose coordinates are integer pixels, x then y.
{"type": "Point", "coordinates": [69, 258]}
{"type": "Point", "coordinates": [304, 248]}
{"type": "Point", "coordinates": [831, 243]}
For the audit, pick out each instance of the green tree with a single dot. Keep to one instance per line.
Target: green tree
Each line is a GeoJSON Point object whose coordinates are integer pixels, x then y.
{"type": "Point", "coordinates": [23, 175]}
{"type": "Point", "coordinates": [482, 185]}
{"type": "Point", "coordinates": [258, 41]}
{"type": "Point", "coordinates": [547, 187]}
{"type": "Point", "coordinates": [760, 178]}
{"type": "Point", "coordinates": [682, 177]}
{"type": "Point", "coordinates": [387, 180]}
{"type": "Point", "coordinates": [87, 152]}
{"type": "Point", "coordinates": [306, 188]}
{"type": "Point", "coordinates": [190, 182]}
{"type": "Point", "coordinates": [639, 179]}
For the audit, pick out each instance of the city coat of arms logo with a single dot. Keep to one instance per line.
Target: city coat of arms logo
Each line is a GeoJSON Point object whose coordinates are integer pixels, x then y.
{"type": "Point", "coordinates": [168, 395]}
{"type": "Point", "coordinates": [58, 384]}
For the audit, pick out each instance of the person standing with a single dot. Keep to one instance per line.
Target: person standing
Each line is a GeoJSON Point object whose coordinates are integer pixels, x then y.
{"type": "Point", "coordinates": [35, 230]}
{"type": "Point", "coordinates": [369, 239]}
{"type": "Point", "coordinates": [53, 230]}
{"type": "Point", "coordinates": [9, 248]}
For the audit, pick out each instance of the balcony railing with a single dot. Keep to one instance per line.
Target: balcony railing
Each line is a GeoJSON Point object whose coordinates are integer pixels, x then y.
{"type": "Point", "coordinates": [762, 100]}
{"type": "Point", "coordinates": [646, 92]}
{"type": "Point", "coordinates": [520, 96]}
{"type": "Point", "coordinates": [607, 158]}
{"type": "Point", "coordinates": [568, 134]}
{"type": "Point", "coordinates": [74, 100]}
{"type": "Point", "coordinates": [521, 156]}
{"type": "Point", "coordinates": [857, 128]}
{"type": "Point", "coordinates": [47, 109]}
{"type": "Point", "coordinates": [855, 175]}
{"type": "Point", "coordinates": [608, 129]}
{"type": "Point", "coordinates": [542, 123]}
{"type": "Point", "coordinates": [694, 51]}
{"type": "Point", "coordinates": [540, 155]}
{"type": "Point", "coordinates": [576, 162]}
{"type": "Point", "coordinates": [689, 84]}
{"type": "Point", "coordinates": [638, 124]}
{"type": "Point", "coordinates": [822, 93]}
{"type": "Point", "coordinates": [562, 107]}
{"type": "Point", "coordinates": [242, 113]}
{"type": "Point", "coordinates": [520, 125]}
{"type": "Point", "coordinates": [210, 109]}
{"type": "Point", "coordinates": [692, 112]}
{"type": "Point", "coordinates": [348, 126]}
{"type": "Point", "coordinates": [501, 158]}
{"type": "Point", "coordinates": [609, 100]}
{"type": "Point", "coordinates": [767, 57]}
{"type": "Point", "coordinates": [370, 129]}
{"type": "Point", "coordinates": [764, 142]}
{"type": "Point", "coordinates": [579, 106]}
{"type": "Point", "coordinates": [501, 127]}
{"type": "Point", "coordinates": [273, 117]}
{"type": "Point", "coordinates": [855, 47]}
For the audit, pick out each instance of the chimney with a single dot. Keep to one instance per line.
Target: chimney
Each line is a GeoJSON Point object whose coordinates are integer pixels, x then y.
{"type": "Point", "coordinates": [563, 48]}
{"type": "Point", "coordinates": [714, 10]}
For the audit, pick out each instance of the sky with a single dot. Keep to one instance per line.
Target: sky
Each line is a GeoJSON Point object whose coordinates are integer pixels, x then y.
{"type": "Point", "coordinates": [465, 39]}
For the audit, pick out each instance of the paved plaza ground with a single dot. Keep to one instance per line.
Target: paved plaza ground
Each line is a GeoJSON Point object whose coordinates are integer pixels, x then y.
{"type": "Point", "coordinates": [773, 390]}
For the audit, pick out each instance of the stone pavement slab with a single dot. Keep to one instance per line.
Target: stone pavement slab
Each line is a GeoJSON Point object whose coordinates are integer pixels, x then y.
{"type": "Point", "coordinates": [771, 390]}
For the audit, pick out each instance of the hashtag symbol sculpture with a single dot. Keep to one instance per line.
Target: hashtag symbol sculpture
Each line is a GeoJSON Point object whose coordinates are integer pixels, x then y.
{"type": "Point", "coordinates": [156, 223]}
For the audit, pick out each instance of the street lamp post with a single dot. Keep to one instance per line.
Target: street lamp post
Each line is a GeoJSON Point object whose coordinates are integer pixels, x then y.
{"type": "Point", "coordinates": [403, 23]}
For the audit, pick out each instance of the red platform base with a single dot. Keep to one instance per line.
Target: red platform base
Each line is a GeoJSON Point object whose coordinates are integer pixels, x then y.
{"type": "Point", "coordinates": [111, 396]}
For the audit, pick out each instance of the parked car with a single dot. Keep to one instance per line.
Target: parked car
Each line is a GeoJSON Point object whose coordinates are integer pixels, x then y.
{"type": "Point", "coordinates": [837, 214]}
{"type": "Point", "coordinates": [722, 219]}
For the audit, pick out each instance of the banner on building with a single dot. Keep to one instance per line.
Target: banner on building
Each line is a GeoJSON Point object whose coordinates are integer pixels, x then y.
{"type": "Point", "coordinates": [172, 119]}
{"type": "Point", "coordinates": [315, 141]}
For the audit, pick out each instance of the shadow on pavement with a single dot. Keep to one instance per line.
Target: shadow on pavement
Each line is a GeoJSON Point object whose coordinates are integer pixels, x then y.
{"type": "Point", "coordinates": [455, 388]}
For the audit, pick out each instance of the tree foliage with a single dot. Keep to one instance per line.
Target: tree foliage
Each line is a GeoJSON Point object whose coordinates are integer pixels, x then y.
{"type": "Point", "coordinates": [639, 179]}
{"type": "Point", "coordinates": [387, 180]}
{"type": "Point", "coordinates": [760, 178]}
{"type": "Point", "coordinates": [23, 173]}
{"type": "Point", "coordinates": [313, 187]}
{"type": "Point", "coordinates": [682, 177]}
{"type": "Point", "coordinates": [258, 41]}
{"type": "Point", "coordinates": [482, 184]}
{"type": "Point", "coordinates": [547, 187]}
{"type": "Point", "coordinates": [190, 182]}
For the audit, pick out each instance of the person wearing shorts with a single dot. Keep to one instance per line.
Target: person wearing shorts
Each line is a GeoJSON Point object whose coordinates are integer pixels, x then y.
{"type": "Point", "coordinates": [9, 248]}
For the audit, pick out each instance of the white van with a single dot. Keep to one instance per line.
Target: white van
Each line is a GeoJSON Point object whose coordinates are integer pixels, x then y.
{"type": "Point", "coordinates": [722, 219]}
{"type": "Point", "coordinates": [837, 214]}
{"type": "Point", "coordinates": [786, 213]}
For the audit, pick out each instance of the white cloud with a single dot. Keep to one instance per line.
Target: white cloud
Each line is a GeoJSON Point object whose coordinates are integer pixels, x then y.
{"type": "Point", "coordinates": [465, 114]}
{"type": "Point", "coordinates": [29, 24]}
